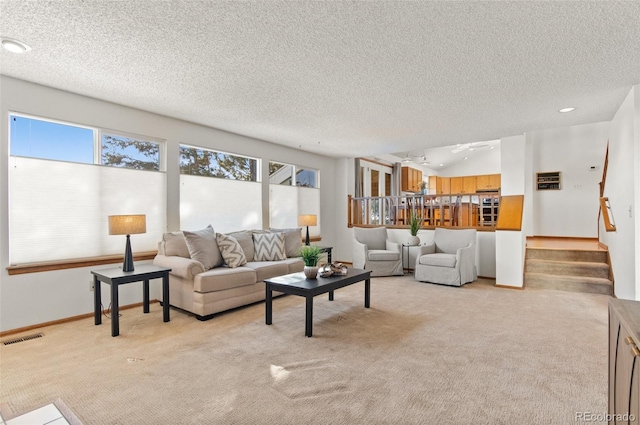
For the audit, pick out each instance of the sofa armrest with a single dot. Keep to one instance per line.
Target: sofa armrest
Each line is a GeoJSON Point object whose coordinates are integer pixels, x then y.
{"type": "Point", "coordinates": [392, 246]}
{"type": "Point", "coordinates": [465, 262]}
{"type": "Point", "coordinates": [180, 266]}
{"type": "Point", "coordinates": [359, 254]}
{"type": "Point", "coordinates": [427, 249]}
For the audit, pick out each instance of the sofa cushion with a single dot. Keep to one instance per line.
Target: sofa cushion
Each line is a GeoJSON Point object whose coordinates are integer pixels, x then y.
{"type": "Point", "coordinates": [440, 260]}
{"type": "Point", "coordinates": [203, 247]}
{"type": "Point", "coordinates": [175, 244]}
{"type": "Point", "coordinates": [231, 250]}
{"type": "Point", "coordinates": [292, 241]}
{"type": "Point", "coordinates": [268, 247]}
{"type": "Point", "coordinates": [267, 269]}
{"type": "Point", "coordinates": [222, 278]}
{"type": "Point", "coordinates": [383, 255]}
{"type": "Point", "coordinates": [295, 264]}
{"type": "Point", "coordinates": [245, 239]}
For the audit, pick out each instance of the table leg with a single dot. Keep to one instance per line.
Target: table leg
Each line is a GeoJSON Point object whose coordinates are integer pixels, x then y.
{"type": "Point", "coordinates": [115, 311]}
{"type": "Point", "coordinates": [367, 293]}
{"type": "Point", "coordinates": [330, 295]}
{"type": "Point", "coordinates": [145, 296]}
{"type": "Point", "coordinates": [97, 301]}
{"type": "Point", "coordinates": [165, 297]}
{"type": "Point", "coordinates": [268, 304]}
{"type": "Point", "coordinates": [308, 321]}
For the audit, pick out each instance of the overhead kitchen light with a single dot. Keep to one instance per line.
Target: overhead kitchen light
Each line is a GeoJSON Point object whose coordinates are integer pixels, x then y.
{"type": "Point", "coordinates": [406, 158]}
{"type": "Point", "coordinates": [14, 46]}
{"type": "Point", "coordinates": [566, 109]}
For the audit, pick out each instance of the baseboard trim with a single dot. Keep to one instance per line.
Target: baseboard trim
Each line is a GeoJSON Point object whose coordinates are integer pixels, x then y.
{"type": "Point", "coordinates": [487, 277]}
{"type": "Point", "coordinates": [66, 320]}
{"type": "Point", "coordinates": [509, 287]}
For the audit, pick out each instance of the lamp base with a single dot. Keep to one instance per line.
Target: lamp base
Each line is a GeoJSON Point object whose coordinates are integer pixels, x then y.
{"type": "Point", "coordinates": [127, 266]}
{"type": "Point", "coordinates": [306, 242]}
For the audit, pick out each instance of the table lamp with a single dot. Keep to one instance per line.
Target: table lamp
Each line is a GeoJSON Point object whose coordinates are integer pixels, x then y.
{"type": "Point", "coordinates": [127, 225]}
{"type": "Point", "coordinates": [307, 220]}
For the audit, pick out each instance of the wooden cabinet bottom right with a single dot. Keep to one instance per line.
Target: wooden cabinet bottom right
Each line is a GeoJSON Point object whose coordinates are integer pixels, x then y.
{"type": "Point", "coordinates": [624, 362]}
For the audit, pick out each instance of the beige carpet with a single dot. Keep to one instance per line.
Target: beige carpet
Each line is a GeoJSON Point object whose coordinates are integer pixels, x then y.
{"type": "Point", "coordinates": [423, 354]}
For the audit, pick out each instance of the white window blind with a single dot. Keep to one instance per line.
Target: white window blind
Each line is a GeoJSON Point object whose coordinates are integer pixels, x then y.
{"type": "Point", "coordinates": [287, 202]}
{"type": "Point", "coordinates": [58, 210]}
{"type": "Point", "coordinates": [227, 205]}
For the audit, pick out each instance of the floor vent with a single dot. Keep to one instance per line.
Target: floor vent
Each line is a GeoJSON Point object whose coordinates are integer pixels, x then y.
{"type": "Point", "coordinates": [22, 338]}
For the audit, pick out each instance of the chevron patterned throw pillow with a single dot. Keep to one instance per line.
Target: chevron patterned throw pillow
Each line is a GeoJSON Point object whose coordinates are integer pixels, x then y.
{"type": "Point", "coordinates": [269, 247]}
{"type": "Point", "coordinates": [231, 250]}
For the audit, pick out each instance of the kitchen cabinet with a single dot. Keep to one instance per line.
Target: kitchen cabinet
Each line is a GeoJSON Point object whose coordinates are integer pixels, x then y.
{"type": "Point", "coordinates": [488, 182]}
{"type": "Point", "coordinates": [469, 184]}
{"type": "Point", "coordinates": [624, 361]}
{"type": "Point", "coordinates": [457, 185]}
{"type": "Point", "coordinates": [411, 179]}
{"type": "Point", "coordinates": [463, 184]}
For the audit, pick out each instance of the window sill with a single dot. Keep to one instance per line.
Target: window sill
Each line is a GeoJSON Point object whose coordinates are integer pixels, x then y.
{"type": "Point", "coordinates": [47, 266]}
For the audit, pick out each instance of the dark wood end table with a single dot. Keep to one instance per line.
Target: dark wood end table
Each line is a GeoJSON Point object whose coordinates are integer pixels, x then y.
{"type": "Point", "coordinates": [116, 277]}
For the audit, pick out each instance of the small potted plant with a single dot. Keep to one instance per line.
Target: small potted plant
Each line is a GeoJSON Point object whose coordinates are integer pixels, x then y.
{"type": "Point", "coordinates": [310, 255]}
{"type": "Point", "coordinates": [414, 226]}
{"type": "Point", "coordinates": [423, 187]}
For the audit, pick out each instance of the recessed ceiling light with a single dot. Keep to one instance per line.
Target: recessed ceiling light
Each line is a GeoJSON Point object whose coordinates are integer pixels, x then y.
{"type": "Point", "coordinates": [14, 46]}
{"type": "Point", "coordinates": [566, 109]}
{"type": "Point", "coordinates": [442, 165]}
{"type": "Point", "coordinates": [466, 157]}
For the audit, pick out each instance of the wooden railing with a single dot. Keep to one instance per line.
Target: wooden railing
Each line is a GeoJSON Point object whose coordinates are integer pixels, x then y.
{"type": "Point", "coordinates": [478, 210]}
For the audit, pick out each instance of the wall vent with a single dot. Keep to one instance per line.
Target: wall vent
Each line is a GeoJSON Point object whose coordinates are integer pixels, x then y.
{"type": "Point", "coordinates": [22, 338]}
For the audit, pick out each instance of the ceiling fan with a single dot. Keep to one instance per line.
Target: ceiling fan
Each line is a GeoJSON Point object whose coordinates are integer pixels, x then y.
{"type": "Point", "coordinates": [469, 146]}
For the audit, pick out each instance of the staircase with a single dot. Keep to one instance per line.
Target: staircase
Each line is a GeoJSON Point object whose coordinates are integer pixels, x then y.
{"type": "Point", "coordinates": [573, 270]}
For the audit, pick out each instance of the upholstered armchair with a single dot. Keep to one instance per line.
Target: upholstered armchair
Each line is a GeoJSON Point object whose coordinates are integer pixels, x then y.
{"type": "Point", "coordinates": [450, 259]}
{"type": "Point", "coordinates": [372, 250]}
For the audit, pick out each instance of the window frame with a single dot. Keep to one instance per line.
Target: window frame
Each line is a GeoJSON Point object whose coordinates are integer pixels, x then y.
{"type": "Point", "coordinates": [258, 173]}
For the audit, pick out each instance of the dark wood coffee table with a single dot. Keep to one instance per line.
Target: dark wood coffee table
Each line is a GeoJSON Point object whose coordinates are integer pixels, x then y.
{"type": "Point", "coordinates": [297, 284]}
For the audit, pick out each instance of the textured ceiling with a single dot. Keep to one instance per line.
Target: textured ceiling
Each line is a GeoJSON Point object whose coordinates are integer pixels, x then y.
{"type": "Point", "coordinates": [339, 78]}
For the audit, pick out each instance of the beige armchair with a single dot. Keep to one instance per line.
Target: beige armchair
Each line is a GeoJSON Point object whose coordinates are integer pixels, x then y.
{"type": "Point", "coordinates": [372, 250]}
{"type": "Point", "coordinates": [450, 259]}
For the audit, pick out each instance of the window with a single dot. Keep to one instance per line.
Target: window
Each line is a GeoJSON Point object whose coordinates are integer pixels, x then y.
{"type": "Point", "coordinates": [289, 197]}
{"type": "Point", "coordinates": [203, 162]}
{"type": "Point", "coordinates": [128, 152]}
{"type": "Point", "coordinates": [284, 174]}
{"type": "Point", "coordinates": [61, 195]}
{"type": "Point", "coordinates": [233, 201]}
{"type": "Point", "coordinates": [37, 138]}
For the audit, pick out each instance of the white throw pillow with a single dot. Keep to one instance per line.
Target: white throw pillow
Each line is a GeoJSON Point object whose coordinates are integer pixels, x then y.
{"type": "Point", "coordinates": [203, 247]}
{"type": "Point", "coordinates": [269, 247]}
{"type": "Point", "coordinates": [231, 250]}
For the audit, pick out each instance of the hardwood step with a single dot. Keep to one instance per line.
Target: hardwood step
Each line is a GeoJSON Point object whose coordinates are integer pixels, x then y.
{"type": "Point", "coordinates": [571, 268]}
{"type": "Point", "coordinates": [566, 255]}
{"type": "Point", "coordinates": [593, 285]}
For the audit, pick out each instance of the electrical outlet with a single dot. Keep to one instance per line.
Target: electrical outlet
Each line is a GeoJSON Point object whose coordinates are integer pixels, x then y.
{"type": "Point", "coordinates": [91, 285]}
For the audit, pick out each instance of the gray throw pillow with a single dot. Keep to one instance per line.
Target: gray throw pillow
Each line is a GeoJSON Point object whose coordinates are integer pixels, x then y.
{"type": "Point", "coordinates": [231, 250]}
{"type": "Point", "coordinates": [245, 239]}
{"type": "Point", "coordinates": [268, 247]}
{"type": "Point", "coordinates": [292, 241]}
{"type": "Point", "coordinates": [203, 247]}
{"type": "Point", "coordinates": [175, 245]}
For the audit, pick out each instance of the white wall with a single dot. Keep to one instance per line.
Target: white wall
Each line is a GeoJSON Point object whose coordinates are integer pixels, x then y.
{"type": "Point", "coordinates": [485, 161]}
{"type": "Point", "coordinates": [510, 245]}
{"type": "Point", "coordinates": [42, 297]}
{"type": "Point", "coordinates": [573, 210]}
{"type": "Point", "coordinates": [621, 187]}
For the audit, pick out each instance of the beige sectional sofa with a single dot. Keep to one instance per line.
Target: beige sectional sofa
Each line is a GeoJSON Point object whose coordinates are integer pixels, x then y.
{"type": "Point", "coordinates": [205, 279]}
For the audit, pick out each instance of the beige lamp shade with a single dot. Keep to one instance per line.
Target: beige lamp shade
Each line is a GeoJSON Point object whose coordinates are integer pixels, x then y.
{"type": "Point", "coordinates": [127, 224]}
{"type": "Point", "coordinates": [308, 220]}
